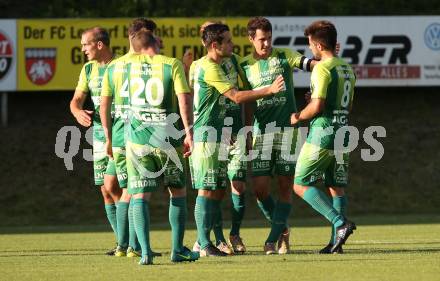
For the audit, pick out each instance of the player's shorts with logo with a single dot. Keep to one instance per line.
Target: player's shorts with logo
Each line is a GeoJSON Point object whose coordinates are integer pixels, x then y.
{"type": "Point", "coordinates": [208, 164]}
{"type": "Point", "coordinates": [147, 166]}
{"type": "Point", "coordinates": [101, 163]}
{"type": "Point", "coordinates": [276, 153]}
{"type": "Point", "coordinates": [237, 166]}
{"type": "Point", "coordinates": [315, 163]}
{"type": "Point", "coordinates": [119, 157]}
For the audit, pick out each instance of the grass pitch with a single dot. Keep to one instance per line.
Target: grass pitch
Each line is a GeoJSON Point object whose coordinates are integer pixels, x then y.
{"type": "Point", "coordinates": [383, 248]}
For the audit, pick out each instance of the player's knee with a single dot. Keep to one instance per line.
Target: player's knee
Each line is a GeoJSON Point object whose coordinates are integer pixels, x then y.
{"type": "Point", "coordinates": [285, 194]}
{"type": "Point", "coordinates": [299, 190]}
{"type": "Point", "coordinates": [111, 184]}
{"type": "Point", "coordinates": [238, 187]}
{"type": "Point", "coordinates": [261, 193]}
{"type": "Point", "coordinates": [125, 197]}
{"type": "Point", "coordinates": [177, 192]}
{"type": "Point", "coordinates": [106, 195]}
{"type": "Point", "coordinates": [336, 191]}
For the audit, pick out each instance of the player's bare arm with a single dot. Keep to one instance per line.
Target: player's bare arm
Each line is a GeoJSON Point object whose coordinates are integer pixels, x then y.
{"type": "Point", "coordinates": [314, 107]}
{"type": "Point", "coordinates": [76, 107]}
{"type": "Point", "coordinates": [106, 120]}
{"type": "Point", "coordinates": [186, 112]}
{"type": "Point", "coordinates": [252, 95]}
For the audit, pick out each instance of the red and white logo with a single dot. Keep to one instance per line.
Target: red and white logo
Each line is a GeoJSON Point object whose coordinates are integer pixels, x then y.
{"type": "Point", "coordinates": [40, 64]}
{"type": "Point", "coordinates": [6, 54]}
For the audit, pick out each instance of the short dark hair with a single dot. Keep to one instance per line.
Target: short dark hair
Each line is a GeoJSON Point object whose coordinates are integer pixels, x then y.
{"type": "Point", "coordinates": [99, 34]}
{"type": "Point", "coordinates": [143, 39]}
{"type": "Point", "coordinates": [258, 23]}
{"type": "Point", "coordinates": [214, 33]}
{"type": "Point", "coordinates": [323, 32]}
{"type": "Point", "coordinates": [141, 23]}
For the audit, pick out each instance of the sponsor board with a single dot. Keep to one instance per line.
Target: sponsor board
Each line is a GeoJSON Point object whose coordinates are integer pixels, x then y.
{"type": "Point", "coordinates": [8, 34]}
{"type": "Point", "coordinates": [54, 45]}
{"type": "Point", "coordinates": [384, 51]}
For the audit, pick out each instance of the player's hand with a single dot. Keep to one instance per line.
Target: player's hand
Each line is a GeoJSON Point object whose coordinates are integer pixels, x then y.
{"type": "Point", "coordinates": [84, 117]}
{"type": "Point", "coordinates": [308, 97]}
{"type": "Point", "coordinates": [188, 145]}
{"type": "Point", "coordinates": [294, 118]}
{"type": "Point", "coordinates": [278, 85]}
{"type": "Point", "coordinates": [108, 149]}
{"type": "Point", "coordinates": [188, 58]}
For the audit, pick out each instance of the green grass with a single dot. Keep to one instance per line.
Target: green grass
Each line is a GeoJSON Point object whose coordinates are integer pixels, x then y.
{"type": "Point", "coordinates": [396, 248]}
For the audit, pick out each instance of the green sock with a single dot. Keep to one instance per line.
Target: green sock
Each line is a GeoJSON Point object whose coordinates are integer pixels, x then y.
{"type": "Point", "coordinates": [133, 241]}
{"type": "Point", "coordinates": [267, 206]}
{"type": "Point", "coordinates": [217, 225]}
{"type": "Point", "coordinates": [141, 219]}
{"type": "Point", "coordinates": [203, 218]}
{"type": "Point", "coordinates": [280, 215]}
{"type": "Point", "coordinates": [177, 217]}
{"type": "Point", "coordinates": [122, 223]}
{"type": "Point", "coordinates": [110, 210]}
{"type": "Point", "coordinates": [321, 203]}
{"type": "Point", "coordinates": [237, 212]}
{"type": "Point", "coordinates": [340, 204]}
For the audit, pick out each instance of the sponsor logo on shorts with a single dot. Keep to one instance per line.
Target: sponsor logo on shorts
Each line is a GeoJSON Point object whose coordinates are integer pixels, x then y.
{"type": "Point", "coordinates": [40, 64]}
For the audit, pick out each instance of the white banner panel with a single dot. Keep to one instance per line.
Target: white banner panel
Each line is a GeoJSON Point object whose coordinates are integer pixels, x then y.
{"type": "Point", "coordinates": [8, 55]}
{"type": "Point", "coordinates": [384, 51]}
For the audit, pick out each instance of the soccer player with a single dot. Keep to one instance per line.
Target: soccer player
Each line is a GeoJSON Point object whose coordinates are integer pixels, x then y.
{"type": "Point", "coordinates": [112, 84]}
{"type": "Point", "coordinates": [211, 89]}
{"type": "Point", "coordinates": [158, 93]}
{"type": "Point", "coordinates": [275, 147]}
{"type": "Point", "coordinates": [323, 156]}
{"type": "Point", "coordinates": [236, 168]}
{"type": "Point", "coordinates": [95, 43]}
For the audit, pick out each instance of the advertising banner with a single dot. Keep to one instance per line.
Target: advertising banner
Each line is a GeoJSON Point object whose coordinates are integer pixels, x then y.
{"type": "Point", "coordinates": [384, 51]}
{"type": "Point", "coordinates": [50, 57]}
{"type": "Point", "coordinates": [8, 51]}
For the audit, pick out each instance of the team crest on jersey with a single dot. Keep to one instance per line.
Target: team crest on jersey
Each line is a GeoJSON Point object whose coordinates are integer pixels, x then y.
{"type": "Point", "coordinates": [40, 64]}
{"type": "Point", "coordinates": [274, 62]}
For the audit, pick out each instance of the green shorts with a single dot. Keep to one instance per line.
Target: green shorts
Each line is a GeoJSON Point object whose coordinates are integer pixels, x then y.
{"type": "Point", "coordinates": [237, 167]}
{"type": "Point", "coordinates": [147, 166]}
{"type": "Point", "coordinates": [207, 171]}
{"type": "Point", "coordinates": [277, 156]}
{"type": "Point", "coordinates": [315, 163]}
{"type": "Point", "coordinates": [120, 165]}
{"type": "Point", "coordinates": [101, 163]}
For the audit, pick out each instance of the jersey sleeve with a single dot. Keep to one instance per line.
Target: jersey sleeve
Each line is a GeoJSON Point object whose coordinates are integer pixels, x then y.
{"type": "Point", "coordinates": [215, 77]}
{"type": "Point", "coordinates": [107, 88]}
{"type": "Point", "coordinates": [191, 73]}
{"type": "Point", "coordinates": [245, 85]}
{"type": "Point", "coordinates": [294, 58]}
{"type": "Point", "coordinates": [298, 60]}
{"type": "Point", "coordinates": [320, 80]}
{"type": "Point", "coordinates": [179, 78]}
{"type": "Point", "coordinates": [82, 81]}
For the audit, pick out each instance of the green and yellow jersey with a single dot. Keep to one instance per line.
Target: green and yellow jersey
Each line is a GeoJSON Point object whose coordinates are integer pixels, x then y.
{"type": "Point", "coordinates": [153, 85]}
{"type": "Point", "coordinates": [332, 80]}
{"type": "Point", "coordinates": [258, 73]}
{"type": "Point", "coordinates": [115, 84]}
{"type": "Point", "coordinates": [210, 83]}
{"type": "Point", "coordinates": [90, 81]}
{"type": "Point", "coordinates": [229, 66]}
